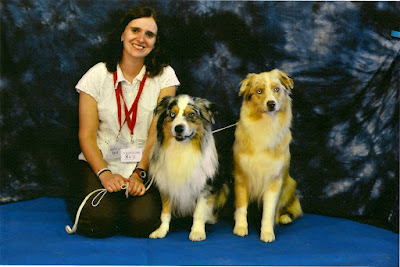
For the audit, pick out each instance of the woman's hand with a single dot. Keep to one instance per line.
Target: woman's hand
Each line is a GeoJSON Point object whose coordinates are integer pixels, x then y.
{"type": "Point", "coordinates": [136, 186]}
{"type": "Point", "coordinates": [112, 182]}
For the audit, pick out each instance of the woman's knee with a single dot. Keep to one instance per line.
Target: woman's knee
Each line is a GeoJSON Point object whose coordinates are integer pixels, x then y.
{"type": "Point", "coordinates": [141, 225]}
{"type": "Point", "coordinates": [98, 226]}
{"type": "Point", "coordinates": [142, 216]}
{"type": "Point", "coordinates": [99, 221]}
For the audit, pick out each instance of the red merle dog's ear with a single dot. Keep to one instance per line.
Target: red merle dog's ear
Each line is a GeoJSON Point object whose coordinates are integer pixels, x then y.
{"type": "Point", "coordinates": [163, 105]}
{"type": "Point", "coordinates": [284, 78]}
{"type": "Point", "coordinates": [206, 108]}
{"type": "Point", "coordinates": [246, 86]}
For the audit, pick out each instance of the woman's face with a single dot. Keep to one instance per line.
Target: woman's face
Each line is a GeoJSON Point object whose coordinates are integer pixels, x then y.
{"type": "Point", "coordinates": [139, 37]}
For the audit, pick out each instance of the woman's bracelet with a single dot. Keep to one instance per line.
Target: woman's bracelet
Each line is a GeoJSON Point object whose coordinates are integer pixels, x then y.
{"type": "Point", "coordinates": [101, 171]}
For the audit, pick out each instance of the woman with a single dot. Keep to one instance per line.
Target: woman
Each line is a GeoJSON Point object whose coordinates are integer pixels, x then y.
{"type": "Point", "coordinates": [117, 129]}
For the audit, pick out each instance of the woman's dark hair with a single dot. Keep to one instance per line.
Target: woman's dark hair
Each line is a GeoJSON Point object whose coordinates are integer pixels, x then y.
{"type": "Point", "coordinates": [154, 62]}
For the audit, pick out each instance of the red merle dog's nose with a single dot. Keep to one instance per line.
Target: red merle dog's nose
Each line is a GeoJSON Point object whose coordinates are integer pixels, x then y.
{"type": "Point", "coordinates": [271, 105]}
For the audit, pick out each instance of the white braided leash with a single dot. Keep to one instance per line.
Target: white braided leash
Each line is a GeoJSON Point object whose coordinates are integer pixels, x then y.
{"type": "Point", "coordinates": [224, 128]}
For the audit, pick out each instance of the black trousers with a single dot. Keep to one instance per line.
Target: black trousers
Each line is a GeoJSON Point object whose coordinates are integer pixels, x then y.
{"type": "Point", "coordinates": [136, 216]}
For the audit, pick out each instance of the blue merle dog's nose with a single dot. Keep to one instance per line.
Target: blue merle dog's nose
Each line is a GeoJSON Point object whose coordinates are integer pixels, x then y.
{"type": "Point", "coordinates": [179, 129]}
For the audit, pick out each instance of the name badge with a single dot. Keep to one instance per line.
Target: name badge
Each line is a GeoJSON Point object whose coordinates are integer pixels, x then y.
{"type": "Point", "coordinates": [131, 154]}
{"type": "Point", "coordinates": [114, 152]}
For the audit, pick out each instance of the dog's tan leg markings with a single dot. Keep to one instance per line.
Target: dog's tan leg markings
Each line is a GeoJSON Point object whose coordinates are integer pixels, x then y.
{"type": "Point", "coordinates": [270, 202]}
{"type": "Point", "coordinates": [162, 231]}
{"type": "Point", "coordinates": [241, 203]}
{"type": "Point", "coordinates": [202, 214]}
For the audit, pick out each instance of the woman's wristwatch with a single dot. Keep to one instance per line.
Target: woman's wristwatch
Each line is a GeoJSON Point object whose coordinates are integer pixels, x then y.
{"type": "Point", "coordinates": [142, 173]}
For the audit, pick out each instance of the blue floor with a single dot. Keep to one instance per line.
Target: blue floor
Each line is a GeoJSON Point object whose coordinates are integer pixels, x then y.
{"type": "Point", "coordinates": [32, 232]}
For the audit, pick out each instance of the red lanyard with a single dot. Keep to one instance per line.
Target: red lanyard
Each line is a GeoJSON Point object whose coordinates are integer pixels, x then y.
{"type": "Point", "coordinates": [133, 110]}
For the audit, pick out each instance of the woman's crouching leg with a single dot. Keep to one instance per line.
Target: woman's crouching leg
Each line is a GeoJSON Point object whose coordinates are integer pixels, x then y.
{"type": "Point", "coordinates": [142, 214]}
{"type": "Point", "coordinates": [99, 221]}
{"type": "Point", "coordinates": [94, 221]}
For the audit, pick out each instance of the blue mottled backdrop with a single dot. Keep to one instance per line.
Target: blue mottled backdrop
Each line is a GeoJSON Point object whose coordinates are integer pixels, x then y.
{"type": "Point", "coordinates": [345, 66]}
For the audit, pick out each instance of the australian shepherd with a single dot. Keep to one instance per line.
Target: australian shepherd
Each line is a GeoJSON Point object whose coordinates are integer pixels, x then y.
{"type": "Point", "coordinates": [261, 153]}
{"type": "Point", "coordinates": [184, 164]}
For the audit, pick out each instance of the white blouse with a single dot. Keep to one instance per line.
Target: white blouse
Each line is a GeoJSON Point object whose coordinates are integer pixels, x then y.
{"type": "Point", "coordinates": [98, 82]}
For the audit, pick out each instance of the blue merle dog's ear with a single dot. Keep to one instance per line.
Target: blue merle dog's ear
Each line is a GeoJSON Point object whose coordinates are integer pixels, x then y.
{"type": "Point", "coordinates": [207, 109]}
{"type": "Point", "coordinates": [163, 105]}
